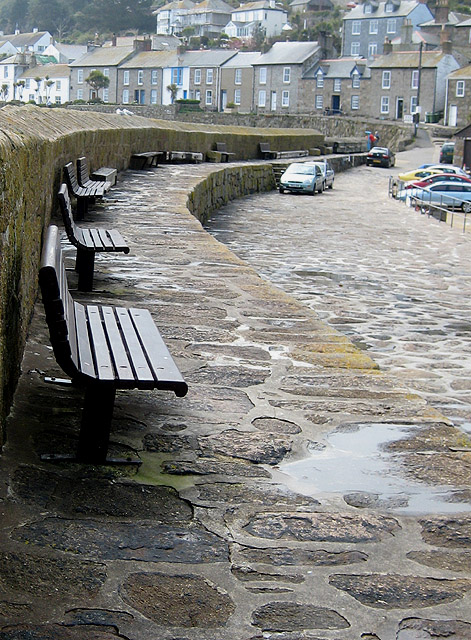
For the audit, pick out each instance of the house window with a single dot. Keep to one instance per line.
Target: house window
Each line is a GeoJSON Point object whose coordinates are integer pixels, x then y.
{"type": "Point", "coordinates": [58, 100]}
{"type": "Point", "coordinates": [197, 94]}
{"type": "Point", "coordinates": [105, 95]}
{"type": "Point", "coordinates": [197, 76]}
{"type": "Point", "coordinates": [415, 79]}
{"type": "Point", "coordinates": [153, 96]}
{"type": "Point", "coordinates": [385, 104]}
{"type": "Point", "coordinates": [460, 89]}
{"type": "Point", "coordinates": [79, 94]}
{"type": "Point", "coordinates": [367, 8]}
{"type": "Point", "coordinates": [355, 103]}
{"type": "Point", "coordinates": [27, 83]}
{"type": "Point", "coordinates": [126, 78]}
{"type": "Point", "coordinates": [372, 49]}
{"type": "Point", "coordinates": [355, 80]}
{"type": "Point", "coordinates": [320, 80]}
{"type": "Point", "coordinates": [262, 98]}
{"type": "Point", "coordinates": [373, 26]}
{"type": "Point", "coordinates": [154, 76]}
{"type": "Point", "coordinates": [391, 25]}
{"type": "Point", "coordinates": [388, 7]}
{"type": "Point", "coordinates": [413, 104]}
{"type": "Point", "coordinates": [263, 75]}
{"type": "Point", "coordinates": [238, 76]}
{"type": "Point", "coordinates": [58, 85]}
{"type": "Point", "coordinates": [125, 96]}
{"type": "Point", "coordinates": [140, 77]}
{"type": "Point", "coordinates": [237, 96]}
{"type": "Point", "coordinates": [287, 74]}
{"type": "Point", "coordinates": [209, 97]}
{"type": "Point", "coordinates": [177, 76]}
{"type": "Point", "coordinates": [319, 102]}
{"type": "Point", "coordinates": [356, 27]}
{"type": "Point", "coordinates": [80, 76]}
{"type": "Point", "coordinates": [337, 85]}
{"type": "Point", "coordinates": [386, 83]}
{"type": "Point", "coordinates": [209, 77]}
{"type": "Point", "coordinates": [106, 73]}
{"type": "Point", "coordinates": [355, 49]}
{"type": "Point", "coordinates": [285, 98]}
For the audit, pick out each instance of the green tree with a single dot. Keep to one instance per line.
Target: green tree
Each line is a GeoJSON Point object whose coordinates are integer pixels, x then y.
{"type": "Point", "coordinates": [97, 80]}
{"type": "Point", "coordinates": [4, 92]}
{"type": "Point", "coordinates": [47, 15]}
{"type": "Point", "coordinates": [173, 92]}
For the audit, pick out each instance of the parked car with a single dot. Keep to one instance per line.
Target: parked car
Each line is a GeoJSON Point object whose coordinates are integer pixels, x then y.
{"type": "Point", "coordinates": [327, 172]}
{"type": "Point", "coordinates": [447, 152]}
{"type": "Point", "coordinates": [302, 177]}
{"type": "Point", "coordinates": [418, 174]}
{"type": "Point", "coordinates": [449, 168]}
{"type": "Point", "coordinates": [446, 194]}
{"type": "Point", "coordinates": [439, 177]}
{"type": "Point", "coordinates": [381, 156]}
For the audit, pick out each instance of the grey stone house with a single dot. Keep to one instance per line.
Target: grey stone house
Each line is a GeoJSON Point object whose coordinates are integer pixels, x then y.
{"type": "Point", "coordinates": [335, 86]}
{"type": "Point", "coordinates": [404, 82]}
{"type": "Point", "coordinates": [205, 71]}
{"type": "Point", "coordinates": [367, 25]}
{"type": "Point", "coordinates": [237, 80]}
{"type": "Point", "coordinates": [458, 98]}
{"type": "Point", "coordinates": [141, 78]}
{"type": "Point", "coordinates": [278, 76]}
{"type": "Point", "coordinates": [209, 17]}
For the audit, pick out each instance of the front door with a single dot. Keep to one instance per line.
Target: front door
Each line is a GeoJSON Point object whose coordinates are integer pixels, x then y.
{"type": "Point", "coordinates": [223, 99]}
{"type": "Point", "coordinates": [273, 101]}
{"type": "Point", "coordinates": [453, 115]}
{"type": "Point", "coordinates": [399, 108]}
{"type": "Point", "coordinates": [335, 104]}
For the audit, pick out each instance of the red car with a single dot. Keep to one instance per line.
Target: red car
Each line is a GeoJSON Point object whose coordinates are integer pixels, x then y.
{"type": "Point", "coordinates": [449, 177]}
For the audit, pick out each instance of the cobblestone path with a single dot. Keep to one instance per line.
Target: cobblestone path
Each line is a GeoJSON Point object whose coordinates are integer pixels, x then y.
{"type": "Point", "coordinates": [221, 534]}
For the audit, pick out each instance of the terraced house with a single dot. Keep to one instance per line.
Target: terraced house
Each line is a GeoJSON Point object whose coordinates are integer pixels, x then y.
{"type": "Point", "coordinates": [458, 98]}
{"type": "Point", "coordinates": [366, 27]}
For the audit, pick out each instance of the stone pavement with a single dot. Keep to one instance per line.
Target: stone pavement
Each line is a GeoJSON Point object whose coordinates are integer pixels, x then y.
{"type": "Point", "coordinates": [211, 539]}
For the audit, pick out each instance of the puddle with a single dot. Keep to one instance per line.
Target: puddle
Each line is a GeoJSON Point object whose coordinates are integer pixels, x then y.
{"type": "Point", "coordinates": [353, 461]}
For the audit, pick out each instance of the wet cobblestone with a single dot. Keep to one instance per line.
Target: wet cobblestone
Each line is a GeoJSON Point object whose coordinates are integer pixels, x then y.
{"type": "Point", "coordinates": [211, 538]}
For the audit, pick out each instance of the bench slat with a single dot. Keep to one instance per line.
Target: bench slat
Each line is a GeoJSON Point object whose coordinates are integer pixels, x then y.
{"type": "Point", "coordinates": [121, 361]}
{"type": "Point", "coordinates": [140, 365]}
{"type": "Point", "coordinates": [163, 366]}
{"type": "Point", "coordinates": [87, 238]}
{"type": "Point", "coordinates": [85, 358]}
{"type": "Point", "coordinates": [101, 352]}
{"type": "Point", "coordinates": [118, 240]}
{"type": "Point", "coordinates": [105, 239]}
{"type": "Point", "coordinates": [95, 234]}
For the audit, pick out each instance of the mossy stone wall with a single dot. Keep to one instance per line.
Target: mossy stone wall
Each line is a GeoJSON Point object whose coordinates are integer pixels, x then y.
{"type": "Point", "coordinates": [36, 143]}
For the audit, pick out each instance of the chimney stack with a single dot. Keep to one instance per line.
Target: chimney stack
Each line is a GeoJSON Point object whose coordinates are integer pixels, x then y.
{"type": "Point", "coordinates": [441, 12]}
{"type": "Point", "coordinates": [387, 46]}
{"type": "Point", "coordinates": [113, 40]}
{"type": "Point", "coordinates": [446, 44]}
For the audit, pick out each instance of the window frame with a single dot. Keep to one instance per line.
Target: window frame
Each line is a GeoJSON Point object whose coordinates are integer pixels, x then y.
{"type": "Point", "coordinates": [384, 107]}
{"type": "Point", "coordinates": [460, 88]}
{"type": "Point", "coordinates": [238, 76]}
{"type": "Point", "coordinates": [262, 75]}
{"type": "Point", "coordinates": [386, 79]}
{"type": "Point", "coordinates": [356, 27]}
{"type": "Point", "coordinates": [209, 75]}
{"type": "Point", "coordinates": [414, 84]}
{"type": "Point", "coordinates": [355, 102]}
{"type": "Point", "coordinates": [373, 27]}
{"type": "Point", "coordinates": [208, 98]}
{"type": "Point", "coordinates": [286, 75]}
{"type": "Point", "coordinates": [197, 76]}
{"type": "Point", "coordinates": [285, 98]}
{"type": "Point", "coordinates": [126, 79]}
{"type": "Point", "coordinates": [319, 102]}
{"type": "Point", "coordinates": [262, 94]}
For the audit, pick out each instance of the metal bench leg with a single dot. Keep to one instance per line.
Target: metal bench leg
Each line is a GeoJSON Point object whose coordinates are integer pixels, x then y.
{"type": "Point", "coordinates": [82, 207]}
{"type": "Point", "coordinates": [96, 423]}
{"type": "Point", "coordinates": [84, 265]}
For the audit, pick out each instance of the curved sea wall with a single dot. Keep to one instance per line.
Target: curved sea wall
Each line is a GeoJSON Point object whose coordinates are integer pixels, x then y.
{"type": "Point", "coordinates": [35, 144]}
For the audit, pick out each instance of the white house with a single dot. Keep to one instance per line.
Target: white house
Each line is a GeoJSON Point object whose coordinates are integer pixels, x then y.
{"type": "Point", "coordinates": [47, 84]}
{"type": "Point", "coordinates": [34, 41]}
{"type": "Point", "coordinates": [11, 69]}
{"type": "Point", "coordinates": [172, 18]}
{"type": "Point", "coordinates": [264, 13]}
{"type": "Point", "coordinates": [65, 53]}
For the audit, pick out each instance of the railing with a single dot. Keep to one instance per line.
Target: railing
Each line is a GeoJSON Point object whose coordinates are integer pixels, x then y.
{"type": "Point", "coordinates": [445, 210]}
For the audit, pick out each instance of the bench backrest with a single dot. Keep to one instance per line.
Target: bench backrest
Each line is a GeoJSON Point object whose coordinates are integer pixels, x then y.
{"type": "Point", "coordinates": [74, 233]}
{"type": "Point", "coordinates": [58, 303]}
{"type": "Point", "coordinates": [264, 147]}
{"type": "Point", "coordinates": [83, 172]}
{"type": "Point", "coordinates": [70, 176]}
{"type": "Point", "coordinates": [221, 147]}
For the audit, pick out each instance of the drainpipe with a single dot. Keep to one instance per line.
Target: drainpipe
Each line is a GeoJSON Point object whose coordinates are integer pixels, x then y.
{"type": "Point", "coordinates": [445, 115]}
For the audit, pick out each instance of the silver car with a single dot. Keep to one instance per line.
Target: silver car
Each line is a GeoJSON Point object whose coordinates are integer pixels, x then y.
{"type": "Point", "coordinates": [327, 172]}
{"type": "Point", "coordinates": [302, 177]}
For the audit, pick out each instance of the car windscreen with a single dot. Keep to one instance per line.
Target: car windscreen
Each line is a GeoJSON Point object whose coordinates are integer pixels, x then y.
{"type": "Point", "coordinates": [302, 169]}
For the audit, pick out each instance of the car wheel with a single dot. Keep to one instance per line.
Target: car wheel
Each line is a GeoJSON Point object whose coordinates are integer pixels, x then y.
{"type": "Point", "coordinates": [321, 188]}
{"type": "Point", "coordinates": [281, 190]}
{"type": "Point", "coordinates": [466, 207]}
{"type": "Point", "coordinates": [331, 185]}
{"type": "Point", "coordinates": [313, 192]}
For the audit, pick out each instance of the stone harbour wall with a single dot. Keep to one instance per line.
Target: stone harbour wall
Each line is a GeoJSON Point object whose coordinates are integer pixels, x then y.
{"type": "Point", "coordinates": [36, 143]}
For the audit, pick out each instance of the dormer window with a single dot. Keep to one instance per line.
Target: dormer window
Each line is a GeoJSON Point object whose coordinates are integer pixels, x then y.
{"type": "Point", "coordinates": [355, 79]}
{"type": "Point", "coordinates": [389, 7]}
{"type": "Point", "coordinates": [367, 8]}
{"type": "Point", "coordinates": [319, 79]}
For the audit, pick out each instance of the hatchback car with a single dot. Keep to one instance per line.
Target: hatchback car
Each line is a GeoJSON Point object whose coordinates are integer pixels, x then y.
{"type": "Point", "coordinates": [381, 157]}
{"type": "Point", "coordinates": [448, 168]}
{"type": "Point", "coordinates": [302, 177]}
{"type": "Point", "coordinates": [419, 174]}
{"type": "Point", "coordinates": [446, 194]}
{"type": "Point", "coordinates": [439, 177]}
{"type": "Point", "coordinates": [447, 152]}
{"type": "Point", "coordinates": [327, 172]}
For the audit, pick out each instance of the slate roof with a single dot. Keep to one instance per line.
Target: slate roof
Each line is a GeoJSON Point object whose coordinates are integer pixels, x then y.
{"type": "Point", "coordinates": [288, 53]}
{"type": "Point", "coordinates": [152, 59]}
{"type": "Point", "coordinates": [242, 59]}
{"type": "Point", "coordinates": [258, 4]}
{"type": "Point", "coordinates": [464, 72]}
{"type": "Point", "coordinates": [212, 6]}
{"type": "Point", "coordinates": [340, 68]}
{"type": "Point", "coordinates": [177, 5]}
{"type": "Point", "coordinates": [453, 19]}
{"type": "Point", "coordinates": [51, 70]}
{"type": "Point", "coordinates": [407, 59]}
{"type": "Point", "coordinates": [403, 9]}
{"type": "Point", "coordinates": [25, 39]}
{"type": "Point", "coordinates": [206, 58]}
{"type": "Point", "coordinates": [103, 56]}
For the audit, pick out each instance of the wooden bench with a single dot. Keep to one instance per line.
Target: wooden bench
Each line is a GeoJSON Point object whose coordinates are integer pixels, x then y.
{"type": "Point", "coordinates": [101, 348]}
{"type": "Point", "coordinates": [88, 242]}
{"type": "Point", "coordinates": [185, 156]}
{"type": "Point", "coordinates": [83, 195]}
{"type": "Point", "coordinates": [267, 154]}
{"type": "Point", "coordinates": [85, 180]}
{"type": "Point", "coordinates": [219, 153]}
{"type": "Point", "coordinates": [147, 159]}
